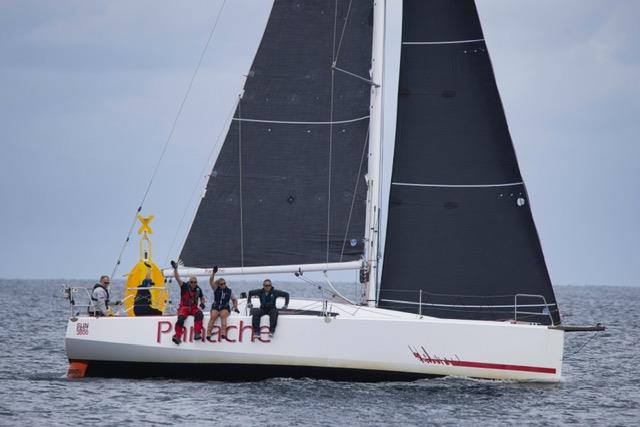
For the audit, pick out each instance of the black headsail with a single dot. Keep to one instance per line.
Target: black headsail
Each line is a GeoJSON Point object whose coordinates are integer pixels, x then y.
{"type": "Point", "coordinates": [288, 186]}
{"type": "Point", "coordinates": [459, 224]}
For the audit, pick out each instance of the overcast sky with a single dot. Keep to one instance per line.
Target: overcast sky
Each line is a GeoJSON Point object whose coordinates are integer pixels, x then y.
{"type": "Point", "coordinates": [89, 91]}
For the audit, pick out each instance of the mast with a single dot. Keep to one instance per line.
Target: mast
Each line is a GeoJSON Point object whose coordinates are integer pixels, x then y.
{"type": "Point", "coordinates": [376, 123]}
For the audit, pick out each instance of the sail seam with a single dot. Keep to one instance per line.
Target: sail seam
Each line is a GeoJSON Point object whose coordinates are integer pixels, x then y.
{"type": "Point", "coordinates": [290, 122]}
{"type": "Point", "coordinates": [410, 184]}
{"type": "Point", "coordinates": [447, 42]}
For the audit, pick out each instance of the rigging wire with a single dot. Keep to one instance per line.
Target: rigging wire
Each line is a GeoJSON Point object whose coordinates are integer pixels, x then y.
{"type": "Point", "coordinates": [169, 138]}
{"type": "Point", "coordinates": [344, 27]}
{"type": "Point", "coordinates": [326, 276]}
{"type": "Point", "coordinates": [333, 73]}
{"type": "Point", "coordinates": [337, 53]}
{"type": "Point", "coordinates": [355, 192]}
{"type": "Point", "coordinates": [329, 170]}
{"type": "Point", "coordinates": [317, 285]}
{"type": "Point", "coordinates": [240, 178]}
{"type": "Point", "coordinates": [335, 60]}
{"type": "Point", "coordinates": [357, 307]}
{"type": "Point", "coordinates": [214, 148]}
{"type": "Point", "coordinates": [573, 353]}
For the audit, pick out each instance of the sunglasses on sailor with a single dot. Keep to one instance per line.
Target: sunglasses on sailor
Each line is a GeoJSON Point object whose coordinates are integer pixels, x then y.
{"type": "Point", "coordinates": [193, 281]}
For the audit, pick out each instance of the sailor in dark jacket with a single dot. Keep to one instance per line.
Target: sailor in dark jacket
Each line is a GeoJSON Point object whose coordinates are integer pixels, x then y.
{"type": "Point", "coordinates": [268, 296]}
{"type": "Point", "coordinates": [142, 301]}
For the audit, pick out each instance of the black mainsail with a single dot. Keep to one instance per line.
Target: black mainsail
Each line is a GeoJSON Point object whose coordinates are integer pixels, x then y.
{"type": "Point", "coordinates": [459, 224]}
{"type": "Point", "coordinates": [288, 185]}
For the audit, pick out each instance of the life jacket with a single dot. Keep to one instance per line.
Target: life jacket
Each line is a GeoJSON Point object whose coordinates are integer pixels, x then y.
{"type": "Point", "coordinates": [221, 297]}
{"type": "Point", "coordinates": [99, 285]}
{"type": "Point", "coordinates": [93, 308]}
{"type": "Point", "coordinates": [189, 297]}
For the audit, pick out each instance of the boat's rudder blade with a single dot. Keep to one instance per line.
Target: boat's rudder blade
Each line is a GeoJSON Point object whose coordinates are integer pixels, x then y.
{"type": "Point", "coordinates": [77, 368]}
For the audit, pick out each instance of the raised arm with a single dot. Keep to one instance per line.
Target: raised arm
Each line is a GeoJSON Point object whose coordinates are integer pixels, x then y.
{"type": "Point", "coordinates": [212, 278]}
{"type": "Point", "coordinates": [175, 272]}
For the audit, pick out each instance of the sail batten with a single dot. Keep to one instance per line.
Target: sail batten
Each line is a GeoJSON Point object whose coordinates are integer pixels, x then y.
{"type": "Point", "coordinates": [415, 184]}
{"type": "Point", "coordinates": [461, 242]}
{"type": "Point", "coordinates": [443, 42]}
{"type": "Point", "coordinates": [292, 122]}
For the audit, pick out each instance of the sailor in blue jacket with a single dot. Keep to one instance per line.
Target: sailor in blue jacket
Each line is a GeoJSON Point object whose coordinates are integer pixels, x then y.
{"type": "Point", "coordinates": [222, 296]}
{"type": "Point", "coordinates": [268, 296]}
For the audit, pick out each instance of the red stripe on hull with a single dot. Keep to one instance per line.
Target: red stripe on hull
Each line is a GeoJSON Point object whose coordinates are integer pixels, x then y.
{"type": "Point", "coordinates": [426, 358]}
{"type": "Point", "coordinates": [502, 366]}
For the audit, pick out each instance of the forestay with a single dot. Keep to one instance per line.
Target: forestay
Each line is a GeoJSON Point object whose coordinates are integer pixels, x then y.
{"type": "Point", "coordinates": [459, 225]}
{"type": "Point", "coordinates": [288, 186]}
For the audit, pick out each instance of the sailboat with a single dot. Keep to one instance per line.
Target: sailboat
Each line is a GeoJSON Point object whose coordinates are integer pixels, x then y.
{"type": "Point", "coordinates": [460, 287]}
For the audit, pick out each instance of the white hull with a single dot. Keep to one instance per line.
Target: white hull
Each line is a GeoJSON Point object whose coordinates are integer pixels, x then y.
{"type": "Point", "coordinates": [359, 343]}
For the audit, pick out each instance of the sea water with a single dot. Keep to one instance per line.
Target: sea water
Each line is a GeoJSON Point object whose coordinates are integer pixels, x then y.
{"type": "Point", "coordinates": [601, 383]}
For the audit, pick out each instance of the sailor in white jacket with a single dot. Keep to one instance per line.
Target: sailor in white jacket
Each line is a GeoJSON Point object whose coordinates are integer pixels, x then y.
{"type": "Point", "coordinates": [100, 298]}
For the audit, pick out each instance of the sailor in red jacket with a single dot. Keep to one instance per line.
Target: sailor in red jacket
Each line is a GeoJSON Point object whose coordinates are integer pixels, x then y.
{"type": "Point", "coordinates": [189, 295]}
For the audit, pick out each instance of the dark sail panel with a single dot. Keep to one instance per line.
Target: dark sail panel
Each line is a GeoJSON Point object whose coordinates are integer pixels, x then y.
{"type": "Point", "coordinates": [288, 186]}
{"type": "Point", "coordinates": [460, 235]}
